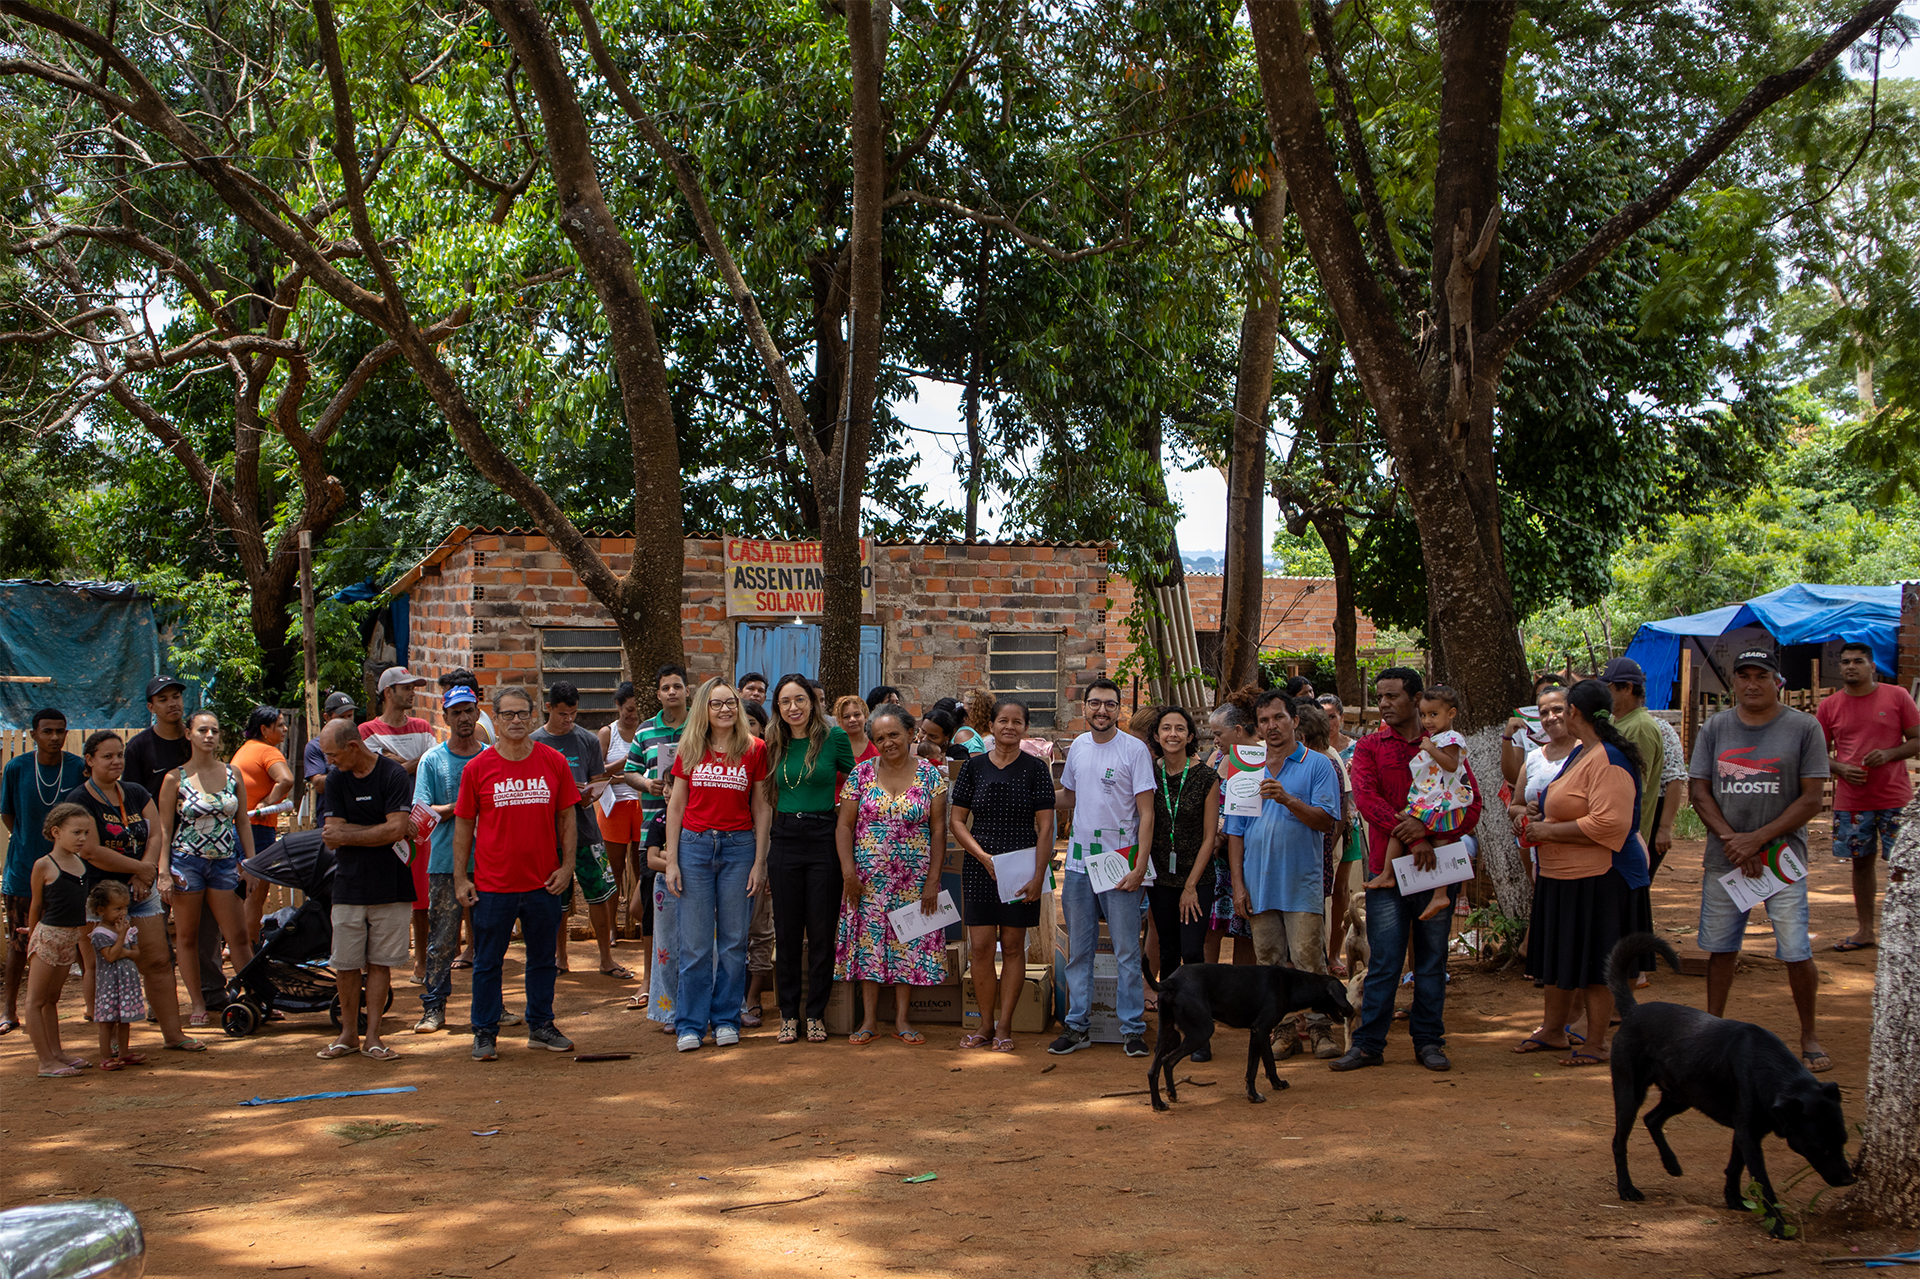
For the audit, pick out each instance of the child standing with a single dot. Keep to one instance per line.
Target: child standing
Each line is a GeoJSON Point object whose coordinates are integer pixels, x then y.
{"type": "Point", "coordinates": [117, 999]}
{"type": "Point", "coordinates": [1440, 794]}
{"type": "Point", "coordinates": [55, 920]}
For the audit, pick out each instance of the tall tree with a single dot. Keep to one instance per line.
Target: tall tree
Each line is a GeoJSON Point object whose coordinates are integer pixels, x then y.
{"type": "Point", "coordinates": [1431, 355]}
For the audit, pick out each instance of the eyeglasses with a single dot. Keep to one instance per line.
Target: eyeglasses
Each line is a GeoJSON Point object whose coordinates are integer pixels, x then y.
{"type": "Point", "coordinates": [1102, 705]}
{"type": "Point", "coordinates": [514, 716]}
{"type": "Point", "coordinates": [788, 703]}
{"type": "Point", "coordinates": [723, 704]}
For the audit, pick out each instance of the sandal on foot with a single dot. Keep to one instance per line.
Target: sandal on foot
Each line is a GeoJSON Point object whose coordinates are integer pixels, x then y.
{"type": "Point", "coordinates": [186, 1046]}
{"type": "Point", "coordinates": [1582, 1059]}
{"type": "Point", "coordinates": [1847, 944]}
{"type": "Point", "coordinates": [909, 1036]}
{"type": "Point", "coordinates": [334, 1052]}
{"type": "Point", "coordinates": [1003, 1045]}
{"type": "Point", "coordinates": [638, 1003]}
{"type": "Point", "coordinates": [133, 1059]}
{"type": "Point", "coordinates": [196, 1019]}
{"type": "Point", "coordinates": [973, 1041]}
{"type": "Point", "coordinates": [860, 1038]}
{"type": "Point", "coordinates": [380, 1052]}
{"type": "Point", "coordinates": [618, 970]}
{"type": "Point", "coordinates": [463, 963]}
{"type": "Point", "coordinates": [1817, 1062]}
{"type": "Point", "coordinates": [789, 1031]}
{"type": "Point", "coordinates": [112, 1063]}
{"type": "Point", "coordinates": [59, 1072]}
{"type": "Point", "coordinates": [8, 1025]}
{"type": "Point", "coordinates": [816, 1031]}
{"type": "Point", "coordinates": [1574, 1037]}
{"type": "Point", "coordinates": [1539, 1045]}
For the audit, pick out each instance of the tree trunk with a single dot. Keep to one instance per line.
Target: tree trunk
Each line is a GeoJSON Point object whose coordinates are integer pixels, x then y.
{"type": "Point", "coordinates": [847, 460]}
{"type": "Point", "coordinates": [1332, 527]}
{"type": "Point", "coordinates": [1243, 591]}
{"type": "Point", "coordinates": [1889, 1165]}
{"type": "Point", "coordinates": [1498, 851]}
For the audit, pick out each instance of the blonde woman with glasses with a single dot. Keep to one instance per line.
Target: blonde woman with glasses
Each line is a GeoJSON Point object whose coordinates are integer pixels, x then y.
{"type": "Point", "coordinates": [718, 817]}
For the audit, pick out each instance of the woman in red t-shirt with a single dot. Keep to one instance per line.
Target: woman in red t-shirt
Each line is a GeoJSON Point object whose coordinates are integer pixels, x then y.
{"type": "Point", "coordinates": [718, 818]}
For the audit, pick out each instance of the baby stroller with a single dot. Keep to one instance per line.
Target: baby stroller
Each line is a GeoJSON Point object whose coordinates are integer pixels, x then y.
{"type": "Point", "coordinates": [289, 969]}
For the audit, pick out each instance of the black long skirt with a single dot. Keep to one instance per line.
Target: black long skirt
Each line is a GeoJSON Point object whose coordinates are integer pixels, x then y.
{"type": "Point", "coordinates": [1577, 922]}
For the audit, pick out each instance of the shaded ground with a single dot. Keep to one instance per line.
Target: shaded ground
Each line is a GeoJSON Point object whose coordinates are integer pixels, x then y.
{"type": "Point", "coordinates": [1500, 1167]}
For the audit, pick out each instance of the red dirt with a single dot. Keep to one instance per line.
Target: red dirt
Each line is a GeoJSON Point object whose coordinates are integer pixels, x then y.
{"type": "Point", "coordinates": [1500, 1167]}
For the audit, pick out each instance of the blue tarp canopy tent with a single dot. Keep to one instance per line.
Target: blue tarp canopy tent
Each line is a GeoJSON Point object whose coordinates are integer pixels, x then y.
{"type": "Point", "coordinates": [97, 642]}
{"type": "Point", "coordinates": [1798, 614]}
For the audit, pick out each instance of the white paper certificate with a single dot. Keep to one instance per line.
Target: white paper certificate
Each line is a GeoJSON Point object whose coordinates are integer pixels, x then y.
{"type": "Point", "coordinates": [1783, 867]}
{"type": "Point", "coordinates": [1012, 871]}
{"type": "Point", "coordinates": [1244, 768]}
{"type": "Point", "coordinates": [1451, 865]}
{"type": "Point", "coordinates": [1105, 871]}
{"type": "Point", "coordinates": [910, 922]}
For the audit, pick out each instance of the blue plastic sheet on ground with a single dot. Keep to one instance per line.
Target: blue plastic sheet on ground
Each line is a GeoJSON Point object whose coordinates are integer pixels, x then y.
{"type": "Point", "coordinates": [95, 640]}
{"type": "Point", "coordinates": [326, 1096]}
{"type": "Point", "coordinates": [1797, 614]}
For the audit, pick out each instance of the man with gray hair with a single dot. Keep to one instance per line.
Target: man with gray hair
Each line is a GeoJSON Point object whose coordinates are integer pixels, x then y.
{"type": "Point", "coordinates": [369, 798]}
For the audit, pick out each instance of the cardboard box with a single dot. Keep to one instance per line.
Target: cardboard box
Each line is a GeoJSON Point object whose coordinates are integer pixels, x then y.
{"type": "Point", "coordinates": [1103, 1022]}
{"type": "Point", "coordinates": [1104, 963]}
{"type": "Point", "coordinates": [1032, 1015]}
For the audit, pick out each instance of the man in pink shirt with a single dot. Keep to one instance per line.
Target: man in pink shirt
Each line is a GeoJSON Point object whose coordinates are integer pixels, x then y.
{"type": "Point", "coordinates": [1872, 729]}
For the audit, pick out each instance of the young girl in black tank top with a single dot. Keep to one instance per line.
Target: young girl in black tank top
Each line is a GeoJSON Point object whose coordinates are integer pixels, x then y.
{"type": "Point", "coordinates": [55, 922]}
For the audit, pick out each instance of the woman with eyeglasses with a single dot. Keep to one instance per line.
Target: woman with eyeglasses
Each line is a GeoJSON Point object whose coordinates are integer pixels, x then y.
{"type": "Point", "coordinates": [806, 758]}
{"type": "Point", "coordinates": [718, 817]}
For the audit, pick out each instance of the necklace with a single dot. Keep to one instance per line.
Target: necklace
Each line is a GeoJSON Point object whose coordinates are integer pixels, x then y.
{"type": "Point", "coordinates": [46, 800]}
{"type": "Point", "coordinates": [789, 782]}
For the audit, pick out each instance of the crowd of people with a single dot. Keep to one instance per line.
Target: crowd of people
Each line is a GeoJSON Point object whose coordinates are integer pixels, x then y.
{"type": "Point", "coordinates": [758, 838]}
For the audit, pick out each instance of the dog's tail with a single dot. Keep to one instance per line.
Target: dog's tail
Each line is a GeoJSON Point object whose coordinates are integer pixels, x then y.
{"type": "Point", "coordinates": [1623, 964]}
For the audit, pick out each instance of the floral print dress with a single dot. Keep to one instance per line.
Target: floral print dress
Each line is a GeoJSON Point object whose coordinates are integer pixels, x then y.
{"type": "Point", "coordinates": [892, 846]}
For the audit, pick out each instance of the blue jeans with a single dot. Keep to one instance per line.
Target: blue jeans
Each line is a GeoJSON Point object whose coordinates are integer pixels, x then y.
{"type": "Point", "coordinates": [443, 937]}
{"type": "Point", "coordinates": [714, 913]}
{"type": "Point", "coordinates": [1391, 919]}
{"type": "Point", "coordinates": [1084, 910]}
{"type": "Point", "coordinates": [539, 915]}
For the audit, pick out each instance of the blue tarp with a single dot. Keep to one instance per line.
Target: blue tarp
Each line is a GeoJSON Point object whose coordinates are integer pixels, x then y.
{"type": "Point", "coordinates": [1798, 614]}
{"type": "Point", "coordinates": [97, 641]}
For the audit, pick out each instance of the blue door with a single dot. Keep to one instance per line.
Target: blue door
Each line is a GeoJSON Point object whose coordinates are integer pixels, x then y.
{"type": "Point", "coordinates": [774, 650]}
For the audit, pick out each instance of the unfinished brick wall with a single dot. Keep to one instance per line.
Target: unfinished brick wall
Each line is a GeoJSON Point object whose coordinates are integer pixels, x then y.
{"type": "Point", "coordinates": [1909, 659]}
{"type": "Point", "coordinates": [1296, 613]}
{"type": "Point", "coordinates": [480, 600]}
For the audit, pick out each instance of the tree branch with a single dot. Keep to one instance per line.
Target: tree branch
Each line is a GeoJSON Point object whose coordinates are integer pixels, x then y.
{"type": "Point", "coordinates": [940, 109]}
{"type": "Point", "coordinates": [1040, 244]}
{"type": "Point", "coordinates": [346, 150]}
{"type": "Point", "coordinates": [1499, 340]}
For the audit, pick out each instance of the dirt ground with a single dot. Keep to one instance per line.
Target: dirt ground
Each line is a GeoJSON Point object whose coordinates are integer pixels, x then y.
{"type": "Point", "coordinates": [1500, 1167]}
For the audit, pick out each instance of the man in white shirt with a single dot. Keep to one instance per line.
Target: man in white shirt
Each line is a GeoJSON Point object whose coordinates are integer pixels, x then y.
{"type": "Point", "coordinates": [1106, 803]}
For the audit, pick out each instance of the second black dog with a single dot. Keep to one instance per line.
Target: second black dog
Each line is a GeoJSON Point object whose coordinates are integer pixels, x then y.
{"type": "Point", "coordinates": [1733, 1072]}
{"type": "Point", "coordinates": [1253, 997]}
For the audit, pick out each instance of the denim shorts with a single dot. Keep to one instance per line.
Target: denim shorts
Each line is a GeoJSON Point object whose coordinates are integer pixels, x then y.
{"type": "Point", "coordinates": [1723, 925]}
{"type": "Point", "coordinates": [1857, 834]}
{"type": "Point", "coordinates": [198, 874]}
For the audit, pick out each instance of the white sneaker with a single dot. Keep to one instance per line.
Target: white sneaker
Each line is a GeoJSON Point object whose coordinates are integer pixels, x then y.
{"type": "Point", "coordinates": [687, 1043]}
{"type": "Point", "coordinates": [725, 1036]}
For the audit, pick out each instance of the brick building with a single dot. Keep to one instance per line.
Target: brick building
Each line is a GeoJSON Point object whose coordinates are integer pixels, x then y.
{"type": "Point", "coordinates": [1295, 613]}
{"type": "Point", "coordinates": [946, 617]}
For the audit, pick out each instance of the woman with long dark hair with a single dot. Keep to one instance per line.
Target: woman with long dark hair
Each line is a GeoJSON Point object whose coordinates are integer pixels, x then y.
{"type": "Point", "coordinates": [1585, 831]}
{"type": "Point", "coordinates": [202, 808]}
{"type": "Point", "coordinates": [806, 758]}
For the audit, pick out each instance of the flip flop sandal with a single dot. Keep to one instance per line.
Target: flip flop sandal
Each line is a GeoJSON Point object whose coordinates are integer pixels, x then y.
{"type": "Point", "coordinates": [197, 1019]}
{"type": "Point", "coordinates": [133, 1059]}
{"type": "Point", "coordinates": [789, 1031]}
{"type": "Point", "coordinates": [1582, 1059]}
{"type": "Point", "coordinates": [79, 1063]}
{"type": "Point", "coordinates": [1811, 1058]}
{"type": "Point", "coordinates": [380, 1052]}
{"type": "Point", "coordinates": [334, 1052]}
{"type": "Point", "coordinates": [816, 1031]}
{"type": "Point", "coordinates": [1574, 1037]}
{"type": "Point", "coordinates": [59, 1072]}
{"type": "Point", "coordinates": [860, 1038]}
{"type": "Point", "coordinates": [973, 1041]}
{"type": "Point", "coordinates": [1539, 1046]}
{"type": "Point", "coordinates": [638, 1003]}
{"type": "Point", "coordinates": [186, 1046]}
{"type": "Point", "coordinates": [1848, 945]}
{"type": "Point", "coordinates": [909, 1036]}
{"type": "Point", "coordinates": [1003, 1045]}
{"type": "Point", "coordinates": [112, 1063]}
{"type": "Point", "coordinates": [617, 971]}
{"type": "Point", "coordinates": [8, 1025]}
{"type": "Point", "coordinates": [463, 963]}
{"type": "Point", "coordinates": [751, 1017]}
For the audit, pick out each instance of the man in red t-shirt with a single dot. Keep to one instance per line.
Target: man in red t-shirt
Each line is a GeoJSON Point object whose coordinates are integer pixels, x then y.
{"type": "Point", "coordinates": [1872, 729]}
{"type": "Point", "coordinates": [515, 809]}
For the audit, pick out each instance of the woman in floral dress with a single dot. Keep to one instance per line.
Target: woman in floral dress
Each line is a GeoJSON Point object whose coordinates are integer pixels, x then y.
{"type": "Point", "coordinates": [892, 837]}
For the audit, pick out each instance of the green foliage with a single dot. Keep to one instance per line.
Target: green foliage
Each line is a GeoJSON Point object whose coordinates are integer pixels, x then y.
{"type": "Point", "coordinates": [203, 620]}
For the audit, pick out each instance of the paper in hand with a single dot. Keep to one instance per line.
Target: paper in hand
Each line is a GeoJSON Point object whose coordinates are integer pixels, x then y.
{"type": "Point", "coordinates": [1783, 866]}
{"type": "Point", "coordinates": [1243, 768]}
{"type": "Point", "coordinates": [1105, 871]}
{"type": "Point", "coordinates": [1012, 872]}
{"type": "Point", "coordinates": [910, 922]}
{"type": "Point", "coordinates": [608, 798]}
{"type": "Point", "coordinates": [1452, 864]}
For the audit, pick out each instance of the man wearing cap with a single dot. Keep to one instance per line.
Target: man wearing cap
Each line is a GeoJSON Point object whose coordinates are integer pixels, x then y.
{"type": "Point", "coordinates": [314, 761]}
{"type": "Point", "coordinates": [1630, 716]}
{"type": "Point", "coordinates": [1758, 773]}
{"type": "Point", "coordinates": [396, 731]}
{"type": "Point", "coordinates": [1872, 730]}
{"type": "Point", "coordinates": [158, 750]}
{"type": "Point", "coordinates": [437, 785]}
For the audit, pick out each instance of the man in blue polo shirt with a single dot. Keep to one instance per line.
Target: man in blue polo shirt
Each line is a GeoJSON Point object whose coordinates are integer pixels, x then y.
{"type": "Point", "coordinates": [1278, 858]}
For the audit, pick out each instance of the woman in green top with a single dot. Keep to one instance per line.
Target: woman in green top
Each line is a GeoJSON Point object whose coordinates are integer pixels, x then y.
{"type": "Point", "coordinates": [806, 757]}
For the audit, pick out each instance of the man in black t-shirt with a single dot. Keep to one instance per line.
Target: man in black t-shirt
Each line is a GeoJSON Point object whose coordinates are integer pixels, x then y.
{"type": "Point", "coordinates": [369, 798]}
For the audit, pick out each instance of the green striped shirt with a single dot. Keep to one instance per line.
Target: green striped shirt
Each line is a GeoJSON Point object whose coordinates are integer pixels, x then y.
{"type": "Point", "coordinates": [653, 744]}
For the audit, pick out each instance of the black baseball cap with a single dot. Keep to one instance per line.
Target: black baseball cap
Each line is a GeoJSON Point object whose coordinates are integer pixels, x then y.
{"type": "Point", "coordinates": [161, 683]}
{"type": "Point", "coordinates": [1623, 670]}
{"type": "Point", "coordinates": [337, 702]}
{"type": "Point", "coordinates": [1763, 658]}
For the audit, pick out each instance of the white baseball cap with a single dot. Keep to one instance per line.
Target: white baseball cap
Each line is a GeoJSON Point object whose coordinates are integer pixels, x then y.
{"type": "Point", "coordinates": [398, 675]}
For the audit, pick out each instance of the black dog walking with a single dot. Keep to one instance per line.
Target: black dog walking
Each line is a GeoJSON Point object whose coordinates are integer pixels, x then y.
{"type": "Point", "coordinates": [1253, 997]}
{"type": "Point", "coordinates": [1735, 1073]}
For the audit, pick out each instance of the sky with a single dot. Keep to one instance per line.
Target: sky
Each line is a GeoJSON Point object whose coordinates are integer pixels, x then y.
{"type": "Point", "coordinates": [1202, 494]}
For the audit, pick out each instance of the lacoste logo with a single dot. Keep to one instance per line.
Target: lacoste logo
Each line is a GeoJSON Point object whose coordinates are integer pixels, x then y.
{"type": "Point", "coordinates": [1734, 764]}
